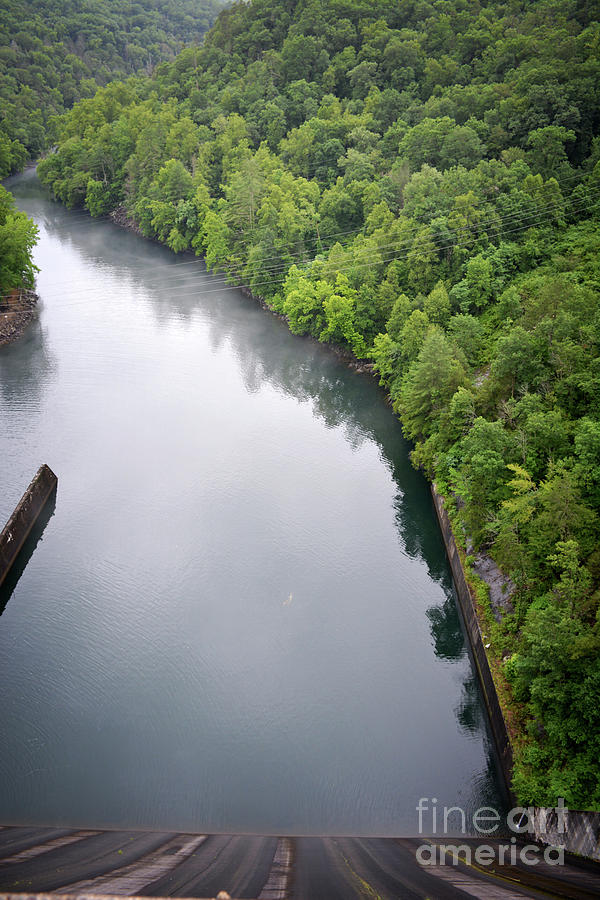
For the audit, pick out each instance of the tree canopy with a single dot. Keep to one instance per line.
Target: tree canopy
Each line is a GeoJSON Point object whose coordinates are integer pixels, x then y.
{"type": "Point", "coordinates": [54, 53]}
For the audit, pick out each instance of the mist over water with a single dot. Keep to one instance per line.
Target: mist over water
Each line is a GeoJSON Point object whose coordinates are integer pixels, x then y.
{"type": "Point", "coordinates": [239, 616]}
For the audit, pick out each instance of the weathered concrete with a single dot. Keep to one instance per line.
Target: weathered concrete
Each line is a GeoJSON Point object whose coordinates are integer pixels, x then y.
{"type": "Point", "coordinates": [118, 864]}
{"type": "Point", "coordinates": [94, 896]}
{"type": "Point", "coordinates": [467, 606]}
{"type": "Point", "coordinates": [26, 514]}
{"type": "Point", "coordinates": [576, 831]}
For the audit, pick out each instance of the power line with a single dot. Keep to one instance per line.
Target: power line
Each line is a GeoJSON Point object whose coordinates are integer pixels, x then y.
{"type": "Point", "coordinates": [495, 222]}
{"type": "Point", "coordinates": [426, 218]}
{"type": "Point", "coordinates": [196, 288]}
{"type": "Point", "coordinates": [373, 259]}
{"type": "Point", "coordinates": [531, 219]}
{"type": "Point", "coordinates": [479, 227]}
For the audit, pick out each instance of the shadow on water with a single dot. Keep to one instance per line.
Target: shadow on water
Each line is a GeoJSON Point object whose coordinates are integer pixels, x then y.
{"type": "Point", "coordinates": [450, 642]}
{"type": "Point", "coordinates": [27, 550]}
{"type": "Point", "coordinates": [446, 631]}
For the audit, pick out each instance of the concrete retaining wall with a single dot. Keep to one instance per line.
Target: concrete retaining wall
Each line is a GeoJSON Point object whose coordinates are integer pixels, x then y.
{"type": "Point", "coordinates": [28, 509]}
{"type": "Point", "coordinates": [467, 607]}
{"type": "Point", "coordinates": [576, 831]}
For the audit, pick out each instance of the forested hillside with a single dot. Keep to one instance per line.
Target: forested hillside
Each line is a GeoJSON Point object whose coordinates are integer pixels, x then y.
{"type": "Point", "coordinates": [418, 182]}
{"type": "Point", "coordinates": [53, 52]}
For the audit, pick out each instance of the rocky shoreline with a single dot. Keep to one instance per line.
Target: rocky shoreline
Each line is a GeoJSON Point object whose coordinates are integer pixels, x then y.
{"type": "Point", "coordinates": [17, 311]}
{"type": "Point", "coordinates": [119, 217]}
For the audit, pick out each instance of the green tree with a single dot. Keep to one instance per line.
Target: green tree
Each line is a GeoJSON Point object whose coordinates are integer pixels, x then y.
{"type": "Point", "coordinates": [429, 385]}
{"type": "Point", "coordinates": [18, 236]}
{"type": "Point", "coordinates": [548, 155]}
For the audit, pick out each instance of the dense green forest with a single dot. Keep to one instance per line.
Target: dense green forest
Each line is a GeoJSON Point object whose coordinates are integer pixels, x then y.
{"type": "Point", "coordinates": [53, 52]}
{"type": "Point", "coordinates": [18, 235]}
{"type": "Point", "coordinates": [417, 182]}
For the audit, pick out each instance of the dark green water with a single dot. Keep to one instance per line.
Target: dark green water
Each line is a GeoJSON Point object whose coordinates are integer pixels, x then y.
{"type": "Point", "coordinates": [240, 615]}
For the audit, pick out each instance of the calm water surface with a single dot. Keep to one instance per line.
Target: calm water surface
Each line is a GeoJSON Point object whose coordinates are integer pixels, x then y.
{"type": "Point", "coordinates": [240, 616]}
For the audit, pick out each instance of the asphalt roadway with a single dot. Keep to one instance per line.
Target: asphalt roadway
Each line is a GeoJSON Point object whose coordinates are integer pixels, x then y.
{"type": "Point", "coordinates": [137, 863]}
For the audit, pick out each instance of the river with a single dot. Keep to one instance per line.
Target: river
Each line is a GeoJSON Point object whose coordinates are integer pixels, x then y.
{"type": "Point", "coordinates": [240, 615]}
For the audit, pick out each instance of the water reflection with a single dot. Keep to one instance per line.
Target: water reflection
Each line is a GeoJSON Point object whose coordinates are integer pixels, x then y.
{"type": "Point", "coordinates": [451, 643]}
{"type": "Point", "coordinates": [470, 712]}
{"type": "Point", "coordinates": [446, 630]}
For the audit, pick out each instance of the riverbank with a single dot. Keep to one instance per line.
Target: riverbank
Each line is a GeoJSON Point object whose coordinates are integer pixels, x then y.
{"type": "Point", "coordinates": [120, 217]}
{"type": "Point", "coordinates": [493, 684]}
{"type": "Point", "coordinates": [344, 354]}
{"type": "Point", "coordinates": [17, 310]}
